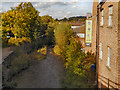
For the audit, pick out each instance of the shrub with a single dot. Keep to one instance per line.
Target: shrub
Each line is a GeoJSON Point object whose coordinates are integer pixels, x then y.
{"type": "Point", "coordinates": [18, 41]}
{"type": "Point", "coordinates": [43, 50]}
{"type": "Point", "coordinates": [8, 85]}
{"type": "Point", "coordinates": [37, 55]}
{"type": "Point", "coordinates": [77, 66]}
{"type": "Point", "coordinates": [19, 63]}
{"type": "Point", "coordinates": [63, 33]}
{"type": "Point", "coordinates": [57, 50]}
{"type": "Point", "coordinates": [72, 80]}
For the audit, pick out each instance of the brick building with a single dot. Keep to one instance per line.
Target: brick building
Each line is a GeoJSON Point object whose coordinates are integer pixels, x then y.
{"type": "Point", "coordinates": [92, 47]}
{"type": "Point", "coordinates": [79, 32]}
{"type": "Point", "coordinates": [108, 44]}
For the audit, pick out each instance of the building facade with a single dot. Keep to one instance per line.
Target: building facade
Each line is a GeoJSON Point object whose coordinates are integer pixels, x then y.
{"type": "Point", "coordinates": [79, 32]}
{"type": "Point", "coordinates": [109, 44]}
{"type": "Point", "coordinates": [92, 47]}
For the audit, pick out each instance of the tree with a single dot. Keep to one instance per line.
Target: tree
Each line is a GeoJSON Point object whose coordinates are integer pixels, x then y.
{"type": "Point", "coordinates": [63, 33]}
{"type": "Point", "coordinates": [77, 66]}
{"type": "Point", "coordinates": [22, 21]}
{"type": "Point", "coordinates": [50, 34]}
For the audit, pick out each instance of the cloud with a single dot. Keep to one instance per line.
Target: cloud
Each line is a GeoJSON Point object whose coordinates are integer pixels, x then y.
{"type": "Point", "coordinates": [49, 4]}
{"type": "Point", "coordinates": [58, 9]}
{"type": "Point", "coordinates": [68, 13]}
{"type": "Point", "coordinates": [74, 6]}
{"type": "Point", "coordinates": [16, 4]}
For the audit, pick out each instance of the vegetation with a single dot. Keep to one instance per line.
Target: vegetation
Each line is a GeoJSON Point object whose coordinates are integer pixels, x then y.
{"type": "Point", "coordinates": [18, 62]}
{"type": "Point", "coordinates": [63, 33]}
{"type": "Point", "coordinates": [77, 63]}
{"type": "Point", "coordinates": [23, 24]}
{"type": "Point", "coordinates": [31, 34]}
{"type": "Point", "coordinates": [72, 19]}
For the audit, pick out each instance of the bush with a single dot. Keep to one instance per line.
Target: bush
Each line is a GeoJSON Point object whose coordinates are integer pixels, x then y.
{"type": "Point", "coordinates": [18, 41]}
{"type": "Point", "coordinates": [63, 33]}
{"type": "Point", "coordinates": [8, 85]}
{"type": "Point", "coordinates": [39, 54]}
{"type": "Point", "coordinates": [43, 50]}
{"type": "Point", "coordinates": [77, 66]}
{"type": "Point", "coordinates": [57, 50]}
{"type": "Point", "coordinates": [19, 63]}
{"type": "Point", "coordinates": [72, 80]}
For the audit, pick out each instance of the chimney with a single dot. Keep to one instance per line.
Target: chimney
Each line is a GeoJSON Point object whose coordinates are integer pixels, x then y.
{"type": "Point", "coordinates": [95, 3]}
{"type": "Point", "coordinates": [88, 15]}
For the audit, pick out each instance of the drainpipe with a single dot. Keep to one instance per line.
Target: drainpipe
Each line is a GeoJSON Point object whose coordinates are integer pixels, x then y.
{"type": "Point", "coordinates": [99, 6]}
{"type": "Point", "coordinates": [97, 45]}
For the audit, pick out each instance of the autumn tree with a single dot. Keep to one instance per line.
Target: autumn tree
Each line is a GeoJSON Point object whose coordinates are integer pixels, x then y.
{"type": "Point", "coordinates": [22, 21]}
{"type": "Point", "coordinates": [63, 33]}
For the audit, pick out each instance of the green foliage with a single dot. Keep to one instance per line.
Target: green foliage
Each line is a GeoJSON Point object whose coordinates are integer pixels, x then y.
{"type": "Point", "coordinates": [63, 33]}
{"type": "Point", "coordinates": [72, 80]}
{"type": "Point", "coordinates": [9, 85]}
{"type": "Point", "coordinates": [19, 63]}
{"type": "Point", "coordinates": [75, 58]}
{"type": "Point", "coordinates": [57, 50]}
{"type": "Point", "coordinates": [24, 21]}
{"type": "Point", "coordinates": [18, 41]}
{"type": "Point", "coordinates": [50, 34]}
{"type": "Point", "coordinates": [77, 65]}
{"type": "Point", "coordinates": [43, 50]}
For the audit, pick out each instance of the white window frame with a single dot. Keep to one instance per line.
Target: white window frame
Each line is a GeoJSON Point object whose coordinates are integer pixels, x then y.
{"type": "Point", "coordinates": [111, 10]}
{"type": "Point", "coordinates": [110, 20]}
{"type": "Point", "coordinates": [108, 57]}
{"type": "Point", "coordinates": [102, 17]}
{"type": "Point", "coordinates": [100, 50]}
{"type": "Point", "coordinates": [101, 21]}
{"type": "Point", "coordinates": [110, 15]}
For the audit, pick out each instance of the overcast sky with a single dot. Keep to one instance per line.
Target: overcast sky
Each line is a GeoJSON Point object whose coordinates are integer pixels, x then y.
{"type": "Point", "coordinates": [56, 8]}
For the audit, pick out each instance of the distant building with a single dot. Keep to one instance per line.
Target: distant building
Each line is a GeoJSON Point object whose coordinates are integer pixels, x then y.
{"type": "Point", "coordinates": [79, 32]}
{"type": "Point", "coordinates": [88, 15]}
{"type": "Point", "coordinates": [90, 46]}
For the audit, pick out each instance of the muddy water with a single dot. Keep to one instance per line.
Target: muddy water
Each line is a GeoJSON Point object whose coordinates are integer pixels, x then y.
{"type": "Point", "coordinates": [43, 74]}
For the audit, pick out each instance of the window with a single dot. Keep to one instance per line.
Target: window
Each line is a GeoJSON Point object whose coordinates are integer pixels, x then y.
{"type": "Point", "coordinates": [100, 1]}
{"type": "Point", "coordinates": [108, 57]}
{"type": "Point", "coordinates": [110, 15]}
{"type": "Point", "coordinates": [102, 17]}
{"type": "Point", "coordinates": [100, 50]}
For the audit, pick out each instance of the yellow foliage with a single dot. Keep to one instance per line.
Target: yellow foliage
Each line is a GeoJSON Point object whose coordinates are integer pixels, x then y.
{"type": "Point", "coordinates": [57, 50]}
{"type": "Point", "coordinates": [43, 50]}
{"type": "Point", "coordinates": [18, 41]}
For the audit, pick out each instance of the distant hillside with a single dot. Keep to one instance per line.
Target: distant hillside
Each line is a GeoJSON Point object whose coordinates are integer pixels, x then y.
{"type": "Point", "coordinates": [76, 18]}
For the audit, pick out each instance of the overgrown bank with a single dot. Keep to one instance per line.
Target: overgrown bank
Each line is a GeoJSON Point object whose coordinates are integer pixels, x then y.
{"type": "Point", "coordinates": [29, 34]}
{"type": "Point", "coordinates": [19, 61]}
{"type": "Point", "coordinates": [77, 63]}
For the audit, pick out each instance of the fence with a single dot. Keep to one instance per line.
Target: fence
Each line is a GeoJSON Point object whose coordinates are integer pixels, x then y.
{"type": "Point", "coordinates": [108, 82]}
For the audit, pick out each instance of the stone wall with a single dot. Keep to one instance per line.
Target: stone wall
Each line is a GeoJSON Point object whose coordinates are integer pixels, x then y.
{"type": "Point", "coordinates": [108, 36]}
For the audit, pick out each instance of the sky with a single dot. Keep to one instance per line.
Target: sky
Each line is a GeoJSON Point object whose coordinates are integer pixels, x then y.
{"type": "Point", "coordinates": [55, 8]}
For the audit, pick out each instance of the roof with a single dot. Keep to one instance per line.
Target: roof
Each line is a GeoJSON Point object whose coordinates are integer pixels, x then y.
{"type": "Point", "coordinates": [77, 23]}
{"type": "Point", "coordinates": [80, 29]}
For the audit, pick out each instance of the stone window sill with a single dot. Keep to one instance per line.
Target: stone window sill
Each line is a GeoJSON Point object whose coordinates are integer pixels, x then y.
{"type": "Point", "coordinates": [109, 27]}
{"type": "Point", "coordinates": [101, 26]}
{"type": "Point", "coordinates": [108, 67]}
